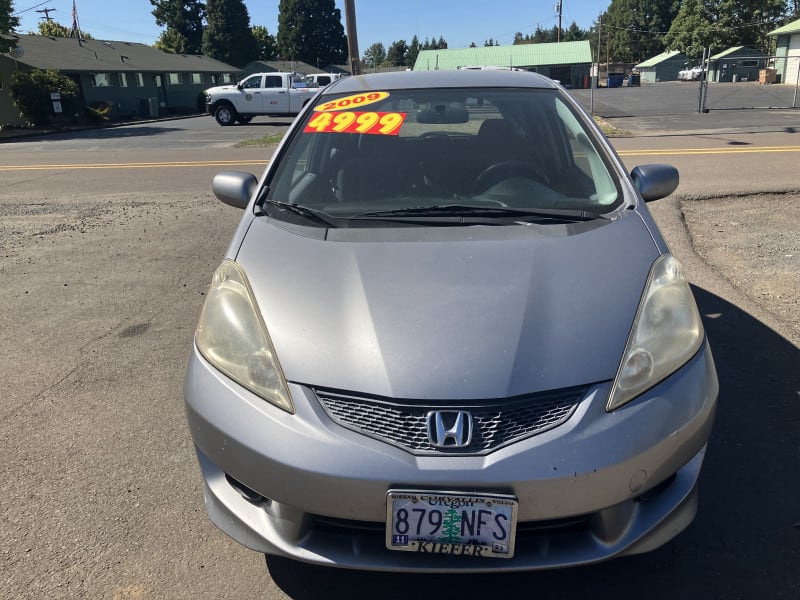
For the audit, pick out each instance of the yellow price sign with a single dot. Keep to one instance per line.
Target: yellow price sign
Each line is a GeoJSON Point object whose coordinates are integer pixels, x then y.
{"type": "Point", "coordinates": [351, 102]}
{"type": "Point", "coordinates": [378, 123]}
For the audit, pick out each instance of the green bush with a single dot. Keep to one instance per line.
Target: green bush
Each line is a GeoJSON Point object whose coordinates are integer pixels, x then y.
{"type": "Point", "coordinates": [31, 93]}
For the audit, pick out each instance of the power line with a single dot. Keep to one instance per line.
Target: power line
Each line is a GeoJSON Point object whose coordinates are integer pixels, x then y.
{"type": "Point", "coordinates": [713, 26]}
{"type": "Point", "coordinates": [31, 8]}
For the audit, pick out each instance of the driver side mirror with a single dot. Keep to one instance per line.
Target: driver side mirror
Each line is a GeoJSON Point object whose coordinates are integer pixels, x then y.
{"type": "Point", "coordinates": [234, 188]}
{"type": "Point", "coordinates": [655, 181]}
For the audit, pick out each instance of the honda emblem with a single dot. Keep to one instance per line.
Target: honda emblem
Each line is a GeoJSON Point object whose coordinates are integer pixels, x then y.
{"type": "Point", "coordinates": [449, 428]}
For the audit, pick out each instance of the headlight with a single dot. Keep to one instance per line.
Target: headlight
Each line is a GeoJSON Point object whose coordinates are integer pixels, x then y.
{"type": "Point", "coordinates": [232, 336]}
{"type": "Point", "coordinates": [666, 333]}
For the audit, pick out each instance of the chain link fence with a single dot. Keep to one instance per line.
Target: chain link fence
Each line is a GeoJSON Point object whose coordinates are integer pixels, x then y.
{"type": "Point", "coordinates": [772, 83]}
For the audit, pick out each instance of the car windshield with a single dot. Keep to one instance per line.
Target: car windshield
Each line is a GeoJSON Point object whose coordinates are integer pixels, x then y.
{"type": "Point", "coordinates": [434, 152]}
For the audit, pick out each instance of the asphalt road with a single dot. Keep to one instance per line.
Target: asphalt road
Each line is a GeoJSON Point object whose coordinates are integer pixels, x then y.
{"type": "Point", "coordinates": [108, 240]}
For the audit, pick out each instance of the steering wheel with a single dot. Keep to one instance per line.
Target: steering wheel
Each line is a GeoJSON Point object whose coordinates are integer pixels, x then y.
{"type": "Point", "coordinates": [506, 169]}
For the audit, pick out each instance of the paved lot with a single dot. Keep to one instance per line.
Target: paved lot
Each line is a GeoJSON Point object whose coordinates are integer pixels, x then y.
{"type": "Point", "coordinates": [683, 98]}
{"type": "Point", "coordinates": [105, 256]}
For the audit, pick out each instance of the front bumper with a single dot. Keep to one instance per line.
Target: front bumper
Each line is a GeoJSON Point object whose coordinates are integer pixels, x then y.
{"type": "Point", "coordinates": [600, 485]}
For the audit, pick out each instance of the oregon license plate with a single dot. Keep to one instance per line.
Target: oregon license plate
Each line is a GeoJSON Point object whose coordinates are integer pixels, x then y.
{"type": "Point", "coordinates": [430, 522]}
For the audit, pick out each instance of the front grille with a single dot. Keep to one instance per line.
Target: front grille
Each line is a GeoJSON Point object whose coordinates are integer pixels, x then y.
{"type": "Point", "coordinates": [496, 423]}
{"type": "Point", "coordinates": [526, 530]}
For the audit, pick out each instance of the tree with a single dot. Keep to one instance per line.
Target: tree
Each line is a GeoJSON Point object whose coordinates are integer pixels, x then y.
{"type": "Point", "coordinates": [413, 51]}
{"type": "Point", "coordinates": [55, 29]}
{"type": "Point", "coordinates": [434, 44]}
{"type": "Point", "coordinates": [544, 36]}
{"type": "Point", "coordinates": [634, 29]}
{"type": "Point", "coordinates": [184, 22]}
{"type": "Point", "coordinates": [7, 24]}
{"type": "Point", "coordinates": [575, 33]}
{"type": "Point", "coordinates": [748, 21]}
{"type": "Point", "coordinates": [31, 93]}
{"type": "Point", "coordinates": [227, 35]}
{"type": "Point", "coordinates": [720, 24]}
{"type": "Point", "coordinates": [311, 31]}
{"type": "Point", "coordinates": [266, 46]}
{"type": "Point", "coordinates": [375, 55]}
{"type": "Point", "coordinates": [396, 54]}
{"type": "Point", "coordinates": [52, 29]}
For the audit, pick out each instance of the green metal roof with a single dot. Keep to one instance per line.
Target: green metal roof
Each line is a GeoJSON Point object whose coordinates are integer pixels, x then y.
{"type": "Point", "coordinates": [793, 27]}
{"type": "Point", "coordinates": [658, 59]}
{"type": "Point", "coordinates": [725, 53]}
{"type": "Point", "coordinates": [519, 55]}
{"type": "Point", "coordinates": [71, 55]}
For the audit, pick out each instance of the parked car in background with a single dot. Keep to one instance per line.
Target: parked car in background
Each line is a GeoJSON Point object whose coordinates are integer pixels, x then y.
{"type": "Point", "coordinates": [691, 74]}
{"type": "Point", "coordinates": [448, 336]}
{"type": "Point", "coordinates": [273, 94]}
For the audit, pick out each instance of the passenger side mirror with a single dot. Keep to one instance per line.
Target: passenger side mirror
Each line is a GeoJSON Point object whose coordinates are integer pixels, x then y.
{"type": "Point", "coordinates": [234, 187]}
{"type": "Point", "coordinates": [655, 181]}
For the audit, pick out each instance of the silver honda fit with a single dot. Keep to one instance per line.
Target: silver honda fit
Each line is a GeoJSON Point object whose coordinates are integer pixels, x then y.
{"type": "Point", "coordinates": [448, 336]}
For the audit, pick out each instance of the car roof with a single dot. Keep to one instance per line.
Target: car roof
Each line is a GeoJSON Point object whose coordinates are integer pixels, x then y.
{"type": "Point", "coordinates": [466, 78]}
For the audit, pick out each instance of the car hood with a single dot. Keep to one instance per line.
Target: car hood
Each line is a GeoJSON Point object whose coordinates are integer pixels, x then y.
{"type": "Point", "coordinates": [450, 313]}
{"type": "Point", "coordinates": [222, 89]}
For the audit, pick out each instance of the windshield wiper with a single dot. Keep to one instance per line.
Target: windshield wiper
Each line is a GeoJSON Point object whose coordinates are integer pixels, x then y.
{"type": "Point", "coordinates": [303, 211]}
{"type": "Point", "coordinates": [467, 210]}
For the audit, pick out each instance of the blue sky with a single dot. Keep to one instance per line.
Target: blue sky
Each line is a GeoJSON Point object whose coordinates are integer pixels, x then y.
{"type": "Point", "coordinates": [460, 22]}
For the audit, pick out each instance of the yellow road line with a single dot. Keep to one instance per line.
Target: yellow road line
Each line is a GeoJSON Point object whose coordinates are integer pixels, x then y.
{"type": "Point", "coordinates": [138, 165]}
{"type": "Point", "coordinates": [262, 163]}
{"type": "Point", "coordinates": [696, 151]}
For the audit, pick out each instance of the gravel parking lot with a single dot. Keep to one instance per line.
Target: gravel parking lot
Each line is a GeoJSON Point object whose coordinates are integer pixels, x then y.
{"type": "Point", "coordinates": [753, 242]}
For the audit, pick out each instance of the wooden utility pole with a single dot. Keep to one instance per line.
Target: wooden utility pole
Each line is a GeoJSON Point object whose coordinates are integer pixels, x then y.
{"type": "Point", "coordinates": [352, 36]}
{"type": "Point", "coordinates": [46, 12]}
{"type": "Point", "coordinates": [559, 7]}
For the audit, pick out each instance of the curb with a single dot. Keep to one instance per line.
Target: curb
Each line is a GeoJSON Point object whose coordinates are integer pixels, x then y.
{"type": "Point", "coordinates": [15, 134]}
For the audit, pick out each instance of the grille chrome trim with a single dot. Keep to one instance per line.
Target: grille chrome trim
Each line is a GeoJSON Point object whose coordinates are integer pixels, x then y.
{"type": "Point", "coordinates": [496, 423]}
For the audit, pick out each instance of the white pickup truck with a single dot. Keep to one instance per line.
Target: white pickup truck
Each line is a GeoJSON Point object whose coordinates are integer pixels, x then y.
{"type": "Point", "coordinates": [322, 79]}
{"type": "Point", "coordinates": [273, 94]}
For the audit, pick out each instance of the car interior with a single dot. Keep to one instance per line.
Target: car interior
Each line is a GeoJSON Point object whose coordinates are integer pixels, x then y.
{"type": "Point", "coordinates": [461, 149]}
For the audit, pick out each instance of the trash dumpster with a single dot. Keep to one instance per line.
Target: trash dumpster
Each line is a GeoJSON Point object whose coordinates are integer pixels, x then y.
{"type": "Point", "coordinates": [615, 80]}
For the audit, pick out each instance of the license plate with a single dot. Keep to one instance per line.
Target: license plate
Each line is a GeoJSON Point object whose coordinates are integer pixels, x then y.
{"type": "Point", "coordinates": [430, 522]}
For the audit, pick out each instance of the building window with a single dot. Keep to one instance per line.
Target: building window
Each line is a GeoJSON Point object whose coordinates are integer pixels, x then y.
{"type": "Point", "coordinates": [173, 78]}
{"type": "Point", "coordinates": [226, 78]}
{"type": "Point", "coordinates": [139, 80]}
{"type": "Point", "coordinates": [123, 80]}
{"type": "Point", "coordinates": [100, 80]}
{"type": "Point", "coordinates": [197, 78]}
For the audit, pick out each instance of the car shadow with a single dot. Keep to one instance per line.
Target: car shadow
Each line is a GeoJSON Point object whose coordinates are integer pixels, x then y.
{"type": "Point", "coordinates": [745, 541]}
{"type": "Point", "coordinates": [267, 124]}
{"type": "Point", "coordinates": [104, 133]}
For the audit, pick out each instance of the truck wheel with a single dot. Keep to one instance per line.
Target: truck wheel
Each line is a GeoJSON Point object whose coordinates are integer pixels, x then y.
{"type": "Point", "coordinates": [225, 115]}
{"type": "Point", "coordinates": [244, 120]}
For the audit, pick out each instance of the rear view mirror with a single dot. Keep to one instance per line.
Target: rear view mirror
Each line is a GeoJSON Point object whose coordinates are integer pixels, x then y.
{"type": "Point", "coordinates": [234, 187]}
{"type": "Point", "coordinates": [655, 181]}
{"type": "Point", "coordinates": [442, 115]}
